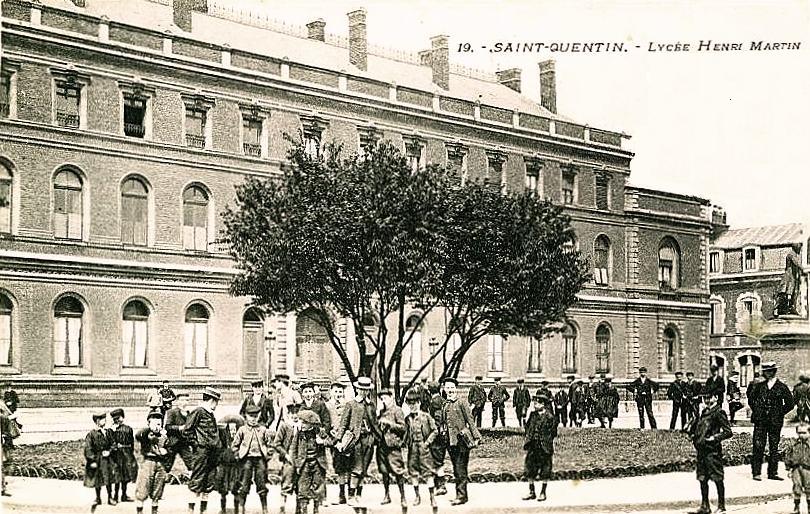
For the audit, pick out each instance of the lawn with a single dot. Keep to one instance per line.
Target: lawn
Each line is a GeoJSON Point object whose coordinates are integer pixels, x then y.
{"type": "Point", "coordinates": [579, 453]}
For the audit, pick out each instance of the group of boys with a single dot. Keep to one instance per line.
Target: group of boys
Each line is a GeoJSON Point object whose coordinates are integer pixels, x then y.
{"type": "Point", "coordinates": [596, 399]}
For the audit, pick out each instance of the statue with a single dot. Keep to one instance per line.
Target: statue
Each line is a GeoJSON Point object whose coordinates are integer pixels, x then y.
{"type": "Point", "coordinates": [787, 296]}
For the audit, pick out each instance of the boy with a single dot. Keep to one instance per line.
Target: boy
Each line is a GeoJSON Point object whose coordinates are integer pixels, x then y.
{"type": "Point", "coordinates": [262, 401]}
{"type": "Point", "coordinates": [309, 458]}
{"type": "Point", "coordinates": [541, 429]}
{"type": "Point", "coordinates": [152, 474]}
{"type": "Point", "coordinates": [391, 422]}
{"type": "Point", "coordinates": [98, 469]}
{"type": "Point", "coordinates": [252, 446]}
{"type": "Point", "coordinates": [797, 460]}
{"type": "Point", "coordinates": [123, 455]}
{"type": "Point", "coordinates": [228, 470]}
{"type": "Point", "coordinates": [707, 432]}
{"type": "Point", "coordinates": [202, 434]}
{"type": "Point", "coordinates": [341, 464]}
{"type": "Point", "coordinates": [420, 432]}
{"type": "Point", "coordinates": [287, 431]}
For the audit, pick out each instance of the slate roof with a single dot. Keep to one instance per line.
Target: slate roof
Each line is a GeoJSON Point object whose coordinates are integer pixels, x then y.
{"type": "Point", "coordinates": [771, 235]}
{"type": "Point", "coordinates": [264, 41]}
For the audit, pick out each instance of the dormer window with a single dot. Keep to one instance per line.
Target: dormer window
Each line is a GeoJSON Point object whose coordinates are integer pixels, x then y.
{"type": "Point", "coordinates": [495, 169]}
{"type": "Point", "coordinates": [69, 98]}
{"type": "Point", "coordinates": [569, 187]}
{"type": "Point", "coordinates": [312, 128]}
{"type": "Point", "coordinates": [750, 256]}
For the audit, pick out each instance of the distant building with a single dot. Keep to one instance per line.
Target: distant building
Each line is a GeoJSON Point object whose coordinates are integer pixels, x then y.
{"type": "Point", "coordinates": [126, 124]}
{"type": "Point", "coordinates": [746, 268]}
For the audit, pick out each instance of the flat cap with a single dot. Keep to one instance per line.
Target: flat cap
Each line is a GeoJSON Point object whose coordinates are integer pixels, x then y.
{"type": "Point", "coordinates": [99, 415]}
{"type": "Point", "coordinates": [257, 383]}
{"type": "Point", "coordinates": [450, 380]}
{"type": "Point", "coordinates": [117, 413]}
{"type": "Point", "coordinates": [642, 369]}
{"type": "Point", "coordinates": [310, 417]}
{"type": "Point", "coordinates": [154, 415]}
{"type": "Point", "coordinates": [252, 410]}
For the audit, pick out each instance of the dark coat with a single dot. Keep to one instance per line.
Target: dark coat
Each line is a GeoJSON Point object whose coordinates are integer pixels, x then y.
{"type": "Point", "coordinates": [498, 394]}
{"type": "Point", "coordinates": [123, 454]}
{"type": "Point", "coordinates": [644, 390]}
{"type": "Point", "coordinates": [678, 391]}
{"type": "Point", "coordinates": [477, 397]}
{"type": "Point", "coordinates": [561, 399]}
{"type": "Point", "coordinates": [521, 397]}
{"type": "Point", "coordinates": [541, 429]}
{"type": "Point", "coordinates": [769, 406]}
{"type": "Point", "coordinates": [319, 407]}
{"type": "Point", "coordinates": [98, 469]}
{"type": "Point", "coordinates": [608, 401]}
{"type": "Point", "coordinates": [175, 421]}
{"type": "Point", "coordinates": [709, 430]}
{"type": "Point", "coordinates": [201, 429]}
{"type": "Point", "coordinates": [266, 413]}
{"type": "Point", "coordinates": [716, 386]}
{"type": "Point", "coordinates": [392, 426]}
{"type": "Point", "coordinates": [301, 443]}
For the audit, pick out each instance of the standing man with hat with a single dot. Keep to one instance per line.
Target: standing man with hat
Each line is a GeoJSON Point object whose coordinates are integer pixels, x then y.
{"type": "Point", "coordinates": [801, 394]}
{"type": "Point", "coordinates": [355, 435]}
{"type": "Point", "coordinates": [498, 396]}
{"type": "Point", "coordinates": [123, 455]}
{"type": "Point", "coordinates": [522, 399]}
{"type": "Point", "coordinates": [541, 429]}
{"type": "Point", "coordinates": [771, 401]}
{"type": "Point", "coordinates": [693, 390]}
{"type": "Point", "coordinates": [561, 407]}
{"type": "Point", "coordinates": [261, 400]}
{"type": "Point", "coordinates": [715, 384]}
{"type": "Point", "coordinates": [644, 389]}
{"type": "Point", "coordinates": [679, 394]}
{"type": "Point", "coordinates": [462, 435]}
{"type": "Point", "coordinates": [733, 395]}
{"type": "Point", "coordinates": [203, 436]}
{"type": "Point", "coordinates": [477, 398]}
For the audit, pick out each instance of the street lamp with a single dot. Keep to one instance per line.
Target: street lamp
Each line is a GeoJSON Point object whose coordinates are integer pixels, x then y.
{"type": "Point", "coordinates": [269, 346]}
{"type": "Point", "coordinates": [433, 343]}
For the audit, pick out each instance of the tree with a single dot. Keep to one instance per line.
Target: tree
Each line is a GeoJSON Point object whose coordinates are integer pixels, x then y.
{"type": "Point", "coordinates": [509, 268]}
{"type": "Point", "coordinates": [357, 237]}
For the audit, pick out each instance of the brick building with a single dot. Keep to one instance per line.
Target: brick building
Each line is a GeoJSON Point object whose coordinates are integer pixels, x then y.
{"type": "Point", "coordinates": [746, 267]}
{"type": "Point", "coordinates": [126, 125]}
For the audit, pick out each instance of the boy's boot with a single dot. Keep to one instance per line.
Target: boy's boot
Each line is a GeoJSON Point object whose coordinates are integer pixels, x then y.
{"type": "Point", "coordinates": [115, 491]}
{"type": "Point", "coordinates": [190, 508]}
{"type": "Point", "coordinates": [432, 497]}
{"type": "Point", "coordinates": [342, 494]}
{"type": "Point", "coordinates": [416, 498]}
{"type": "Point", "coordinates": [316, 504]}
{"type": "Point", "coordinates": [124, 497]}
{"type": "Point", "coordinates": [386, 486]}
{"type": "Point", "coordinates": [110, 499]}
{"type": "Point", "coordinates": [542, 496]}
{"type": "Point", "coordinates": [531, 495]}
{"type": "Point", "coordinates": [300, 506]}
{"type": "Point", "coordinates": [796, 506]}
{"type": "Point", "coordinates": [203, 506]}
{"type": "Point", "coordinates": [352, 501]}
{"type": "Point", "coordinates": [154, 509]}
{"type": "Point", "coordinates": [440, 488]}
{"type": "Point", "coordinates": [223, 503]}
{"type": "Point", "coordinates": [401, 486]}
{"type": "Point", "coordinates": [263, 501]}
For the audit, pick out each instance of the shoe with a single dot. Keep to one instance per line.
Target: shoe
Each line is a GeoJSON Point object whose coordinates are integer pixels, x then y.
{"type": "Point", "coordinates": [775, 477]}
{"type": "Point", "coordinates": [758, 478]}
{"type": "Point", "coordinates": [701, 510]}
{"type": "Point", "coordinates": [441, 491]}
{"type": "Point", "coordinates": [530, 496]}
{"type": "Point", "coordinates": [112, 501]}
{"type": "Point", "coordinates": [719, 511]}
{"type": "Point", "coordinates": [541, 497]}
{"type": "Point", "coordinates": [458, 501]}
{"type": "Point", "coordinates": [5, 493]}
{"type": "Point", "coordinates": [386, 500]}
{"type": "Point", "coordinates": [125, 498]}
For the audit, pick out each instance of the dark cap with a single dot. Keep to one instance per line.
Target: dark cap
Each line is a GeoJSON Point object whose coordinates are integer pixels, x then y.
{"type": "Point", "coordinates": [479, 377]}
{"type": "Point", "coordinates": [690, 373]}
{"type": "Point", "coordinates": [544, 382]}
{"type": "Point", "coordinates": [385, 392]}
{"type": "Point", "coordinates": [642, 369]}
{"type": "Point", "coordinates": [412, 396]}
{"type": "Point", "coordinates": [99, 415]}
{"type": "Point", "coordinates": [679, 373]}
{"type": "Point", "coordinates": [450, 380]}
{"type": "Point", "coordinates": [337, 385]}
{"type": "Point", "coordinates": [117, 413]}
{"type": "Point", "coordinates": [257, 383]}
{"type": "Point", "coordinates": [252, 410]}
{"type": "Point", "coordinates": [497, 379]}
{"type": "Point", "coordinates": [310, 417]}
{"type": "Point", "coordinates": [154, 415]}
{"type": "Point", "coordinates": [520, 381]}
{"type": "Point", "coordinates": [308, 385]}
{"type": "Point", "coordinates": [713, 367]}
{"type": "Point", "coordinates": [283, 377]}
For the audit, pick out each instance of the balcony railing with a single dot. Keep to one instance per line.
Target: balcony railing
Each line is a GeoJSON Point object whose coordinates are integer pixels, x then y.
{"type": "Point", "coordinates": [64, 119]}
{"type": "Point", "coordinates": [195, 141]}
{"type": "Point", "coordinates": [252, 149]}
{"type": "Point", "coordinates": [134, 129]}
{"type": "Point", "coordinates": [4, 110]}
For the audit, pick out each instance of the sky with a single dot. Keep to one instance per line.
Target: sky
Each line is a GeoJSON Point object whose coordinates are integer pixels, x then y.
{"type": "Point", "coordinates": [732, 127]}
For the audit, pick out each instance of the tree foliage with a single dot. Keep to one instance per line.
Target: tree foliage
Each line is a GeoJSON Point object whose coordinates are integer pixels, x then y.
{"type": "Point", "coordinates": [368, 238]}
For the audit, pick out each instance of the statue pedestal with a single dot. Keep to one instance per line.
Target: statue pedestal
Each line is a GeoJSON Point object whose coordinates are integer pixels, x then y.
{"type": "Point", "coordinates": [786, 340]}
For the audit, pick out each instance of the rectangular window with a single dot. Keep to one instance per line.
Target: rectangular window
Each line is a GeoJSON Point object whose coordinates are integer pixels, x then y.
{"type": "Point", "coordinates": [195, 227]}
{"type": "Point", "coordinates": [415, 350]}
{"type": "Point", "coordinates": [569, 353]}
{"type": "Point", "coordinates": [195, 127]}
{"type": "Point", "coordinates": [602, 192]}
{"type": "Point", "coordinates": [714, 262]}
{"type": "Point", "coordinates": [5, 338]}
{"type": "Point", "coordinates": [134, 116]}
{"type": "Point", "coordinates": [252, 345]}
{"type": "Point", "coordinates": [414, 155]}
{"type": "Point", "coordinates": [531, 182]}
{"type": "Point", "coordinates": [133, 220]}
{"type": "Point", "coordinates": [67, 342]}
{"type": "Point", "coordinates": [68, 102]}
{"type": "Point", "coordinates": [748, 306]}
{"type": "Point", "coordinates": [196, 345]}
{"type": "Point", "coordinates": [535, 364]}
{"type": "Point", "coordinates": [252, 137]}
{"type": "Point", "coordinates": [750, 262]}
{"type": "Point", "coordinates": [67, 210]}
{"type": "Point", "coordinates": [717, 318]}
{"type": "Point", "coordinates": [5, 95]}
{"type": "Point", "coordinates": [134, 340]}
{"type": "Point", "coordinates": [5, 206]}
{"type": "Point", "coordinates": [568, 185]}
{"type": "Point", "coordinates": [495, 353]}
{"type": "Point", "coordinates": [602, 354]}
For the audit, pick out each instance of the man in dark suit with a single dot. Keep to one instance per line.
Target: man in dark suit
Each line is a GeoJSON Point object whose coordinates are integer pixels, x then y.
{"type": "Point", "coordinates": [356, 428]}
{"type": "Point", "coordinates": [176, 444]}
{"type": "Point", "coordinates": [521, 398]}
{"type": "Point", "coordinates": [313, 403]}
{"type": "Point", "coordinates": [770, 401]}
{"type": "Point", "coordinates": [695, 390]}
{"type": "Point", "coordinates": [462, 435]}
{"type": "Point", "coordinates": [679, 394]}
{"type": "Point", "coordinates": [644, 389]}
{"type": "Point", "coordinates": [477, 398]}
{"type": "Point", "coordinates": [261, 400]}
{"type": "Point", "coordinates": [715, 384]}
{"type": "Point", "coordinates": [561, 407]}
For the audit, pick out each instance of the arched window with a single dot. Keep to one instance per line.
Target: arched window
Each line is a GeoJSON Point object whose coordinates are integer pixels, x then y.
{"type": "Point", "coordinates": [68, 315]}
{"type": "Point", "coordinates": [601, 260]}
{"type": "Point", "coordinates": [6, 308]}
{"type": "Point", "coordinates": [5, 199]}
{"type": "Point", "coordinates": [603, 348]}
{"type": "Point", "coordinates": [313, 355]}
{"type": "Point", "coordinates": [535, 364]}
{"type": "Point", "coordinates": [195, 218]}
{"type": "Point", "coordinates": [495, 352]}
{"type": "Point", "coordinates": [716, 316]}
{"type": "Point", "coordinates": [196, 336]}
{"type": "Point", "coordinates": [134, 212]}
{"type": "Point", "coordinates": [669, 265]}
{"type": "Point", "coordinates": [68, 205]}
{"type": "Point", "coordinates": [671, 350]}
{"type": "Point", "coordinates": [749, 364]}
{"type": "Point", "coordinates": [413, 350]}
{"type": "Point", "coordinates": [252, 342]}
{"type": "Point", "coordinates": [135, 334]}
{"type": "Point", "coordinates": [569, 337]}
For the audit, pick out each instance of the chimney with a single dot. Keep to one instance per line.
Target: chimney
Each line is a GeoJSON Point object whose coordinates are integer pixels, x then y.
{"type": "Point", "coordinates": [182, 10]}
{"type": "Point", "coordinates": [424, 57]}
{"type": "Point", "coordinates": [315, 30]}
{"type": "Point", "coordinates": [548, 86]}
{"type": "Point", "coordinates": [440, 61]}
{"type": "Point", "coordinates": [358, 46]}
{"type": "Point", "coordinates": [510, 78]}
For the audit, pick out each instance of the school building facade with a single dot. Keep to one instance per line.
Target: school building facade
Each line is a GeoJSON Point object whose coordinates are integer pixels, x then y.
{"type": "Point", "coordinates": [126, 125]}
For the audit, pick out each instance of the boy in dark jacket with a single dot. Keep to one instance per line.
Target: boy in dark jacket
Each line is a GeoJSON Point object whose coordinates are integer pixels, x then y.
{"type": "Point", "coordinates": [521, 398]}
{"type": "Point", "coordinates": [282, 443]}
{"type": "Point", "coordinates": [707, 433]}
{"type": "Point", "coordinates": [123, 455]}
{"type": "Point", "coordinates": [797, 461]}
{"type": "Point", "coordinates": [420, 432]}
{"type": "Point", "coordinates": [229, 473]}
{"type": "Point", "coordinates": [152, 474]}
{"type": "Point", "coordinates": [391, 423]}
{"type": "Point", "coordinates": [98, 468]}
{"type": "Point", "coordinates": [309, 458]}
{"type": "Point", "coordinates": [541, 429]}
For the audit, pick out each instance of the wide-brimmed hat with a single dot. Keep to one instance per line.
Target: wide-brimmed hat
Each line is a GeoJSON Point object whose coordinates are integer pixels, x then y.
{"type": "Point", "coordinates": [210, 392]}
{"type": "Point", "coordinates": [769, 366]}
{"type": "Point", "coordinates": [363, 383]}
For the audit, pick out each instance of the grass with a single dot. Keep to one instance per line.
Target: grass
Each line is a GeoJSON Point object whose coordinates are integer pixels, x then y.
{"type": "Point", "coordinates": [579, 453]}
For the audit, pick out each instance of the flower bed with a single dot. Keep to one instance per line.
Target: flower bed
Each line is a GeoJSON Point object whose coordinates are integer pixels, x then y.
{"type": "Point", "coordinates": [584, 453]}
